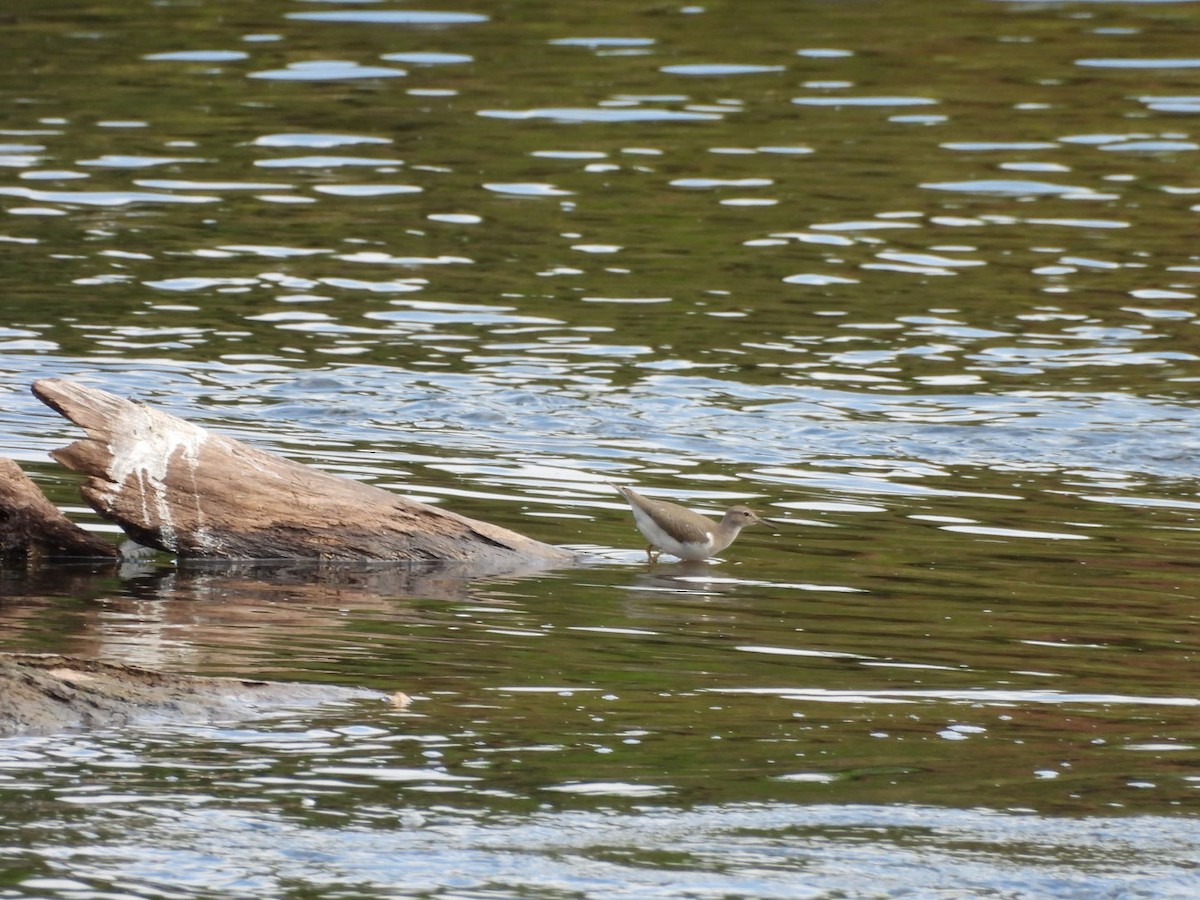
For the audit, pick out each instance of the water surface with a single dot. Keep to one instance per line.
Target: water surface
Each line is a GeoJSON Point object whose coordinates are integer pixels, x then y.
{"type": "Point", "coordinates": [920, 286]}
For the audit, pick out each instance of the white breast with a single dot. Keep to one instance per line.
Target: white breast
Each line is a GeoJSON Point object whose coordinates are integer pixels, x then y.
{"type": "Point", "coordinates": [668, 544]}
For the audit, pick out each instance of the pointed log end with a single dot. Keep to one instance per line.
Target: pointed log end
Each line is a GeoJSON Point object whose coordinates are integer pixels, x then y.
{"type": "Point", "coordinates": [48, 390]}
{"type": "Point", "coordinates": [90, 408]}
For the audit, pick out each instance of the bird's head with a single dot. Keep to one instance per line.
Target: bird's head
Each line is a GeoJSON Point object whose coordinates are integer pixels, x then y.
{"type": "Point", "coordinates": [741, 516]}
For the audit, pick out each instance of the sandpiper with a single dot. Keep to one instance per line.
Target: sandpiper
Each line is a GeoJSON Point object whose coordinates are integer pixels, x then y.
{"type": "Point", "coordinates": [670, 528]}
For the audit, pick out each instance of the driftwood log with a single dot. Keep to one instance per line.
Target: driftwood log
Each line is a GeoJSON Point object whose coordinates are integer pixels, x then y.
{"type": "Point", "coordinates": [174, 486]}
{"type": "Point", "coordinates": [43, 693]}
{"type": "Point", "coordinates": [33, 527]}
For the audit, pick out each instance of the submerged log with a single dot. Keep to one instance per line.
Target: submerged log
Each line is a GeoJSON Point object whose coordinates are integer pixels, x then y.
{"type": "Point", "coordinates": [44, 693]}
{"type": "Point", "coordinates": [32, 527]}
{"type": "Point", "coordinates": [178, 487]}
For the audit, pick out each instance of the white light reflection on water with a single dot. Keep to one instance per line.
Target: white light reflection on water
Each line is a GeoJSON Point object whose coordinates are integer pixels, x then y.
{"type": "Point", "coordinates": [606, 114]}
{"type": "Point", "coordinates": [408, 842]}
{"type": "Point", "coordinates": [974, 696]}
{"type": "Point", "coordinates": [694, 418]}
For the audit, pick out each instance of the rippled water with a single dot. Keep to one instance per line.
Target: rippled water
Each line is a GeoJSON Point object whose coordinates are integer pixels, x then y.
{"type": "Point", "coordinates": [409, 834]}
{"type": "Point", "coordinates": [918, 283]}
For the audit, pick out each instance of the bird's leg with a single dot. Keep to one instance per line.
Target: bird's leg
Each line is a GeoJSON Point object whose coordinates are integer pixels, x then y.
{"type": "Point", "coordinates": [651, 555]}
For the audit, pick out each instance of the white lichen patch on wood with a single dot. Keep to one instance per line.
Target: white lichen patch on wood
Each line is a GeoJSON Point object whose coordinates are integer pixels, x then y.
{"type": "Point", "coordinates": [144, 447]}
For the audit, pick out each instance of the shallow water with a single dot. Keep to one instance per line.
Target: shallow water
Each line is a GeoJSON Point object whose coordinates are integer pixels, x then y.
{"type": "Point", "coordinates": [921, 286]}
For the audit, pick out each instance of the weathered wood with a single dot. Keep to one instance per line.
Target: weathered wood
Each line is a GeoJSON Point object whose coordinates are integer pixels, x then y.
{"type": "Point", "coordinates": [32, 527]}
{"type": "Point", "coordinates": [176, 486]}
{"type": "Point", "coordinates": [43, 693]}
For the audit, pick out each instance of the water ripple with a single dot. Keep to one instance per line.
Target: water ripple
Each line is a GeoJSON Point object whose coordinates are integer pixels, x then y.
{"type": "Point", "coordinates": [327, 70]}
{"type": "Point", "coordinates": [719, 69]}
{"type": "Point", "coordinates": [104, 198]}
{"type": "Point", "coordinates": [569, 115]}
{"type": "Point", "coordinates": [390, 17]}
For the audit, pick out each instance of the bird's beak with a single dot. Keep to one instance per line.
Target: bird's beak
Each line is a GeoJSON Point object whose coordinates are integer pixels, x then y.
{"type": "Point", "coordinates": [778, 523]}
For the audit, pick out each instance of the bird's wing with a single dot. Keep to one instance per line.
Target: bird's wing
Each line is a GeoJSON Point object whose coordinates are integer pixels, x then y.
{"type": "Point", "coordinates": [684, 527]}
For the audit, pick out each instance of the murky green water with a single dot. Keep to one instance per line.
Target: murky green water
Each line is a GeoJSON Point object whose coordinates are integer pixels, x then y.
{"type": "Point", "coordinates": [917, 279]}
